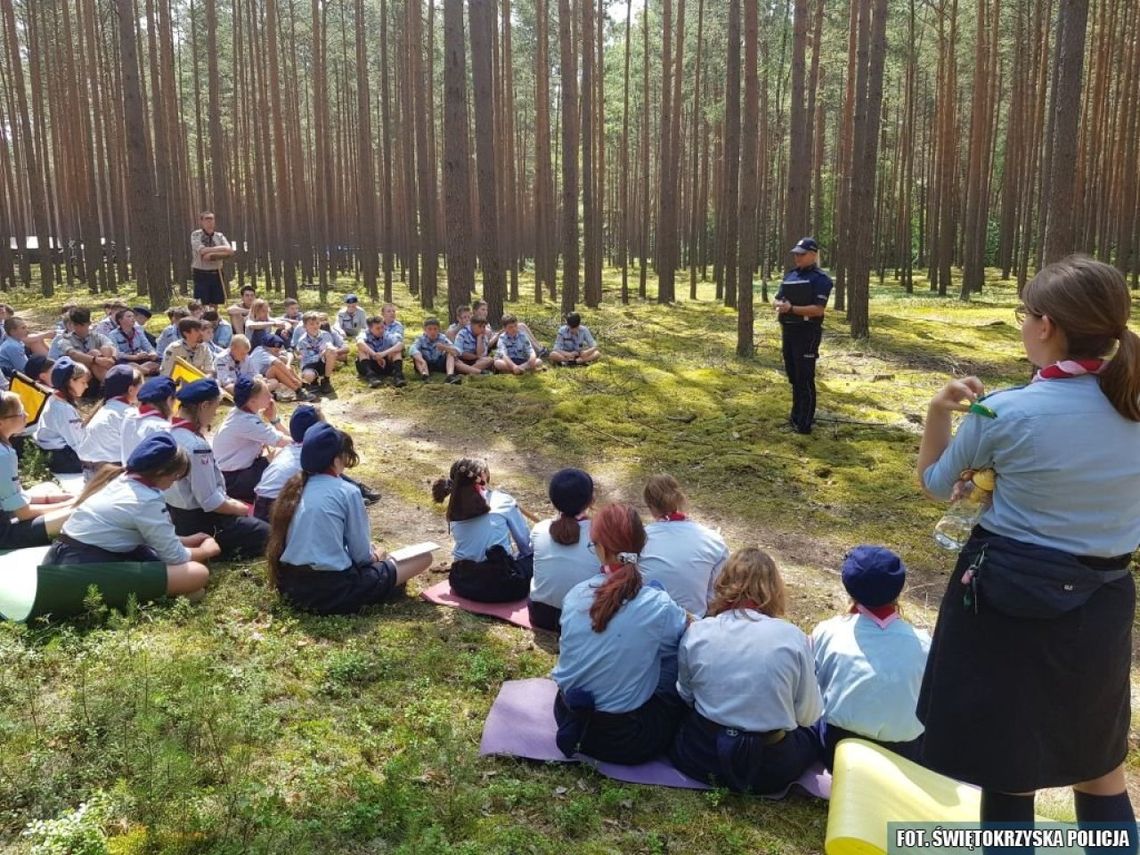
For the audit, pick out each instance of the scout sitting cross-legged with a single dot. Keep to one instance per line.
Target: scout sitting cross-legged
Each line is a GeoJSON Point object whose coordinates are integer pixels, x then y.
{"type": "Point", "coordinates": [380, 354]}
{"type": "Point", "coordinates": [60, 429]}
{"type": "Point", "coordinates": [516, 354]}
{"type": "Point", "coordinates": [433, 351]}
{"type": "Point", "coordinates": [244, 435]}
{"type": "Point", "coordinates": [103, 439]}
{"type": "Point", "coordinates": [156, 409]}
{"type": "Point", "coordinates": [474, 354]}
{"type": "Point", "coordinates": [575, 343]}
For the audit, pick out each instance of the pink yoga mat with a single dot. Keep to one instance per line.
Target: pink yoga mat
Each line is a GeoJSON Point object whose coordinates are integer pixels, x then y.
{"type": "Point", "coordinates": [521, 724]}
{"type": "Point", "coordinates": [515, 612]}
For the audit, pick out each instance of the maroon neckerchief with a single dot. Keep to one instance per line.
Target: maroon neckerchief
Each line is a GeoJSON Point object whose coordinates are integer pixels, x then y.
{"type": "Point", "coordinates": [676, 516]}
{"type": "Point", "coordinates": [130, 336]}
{"type": "Point", "coordinates": [609, 569]}
{"type": "Point", "coordinates": [882, 616]}
{"type": "Point", "coordinates": [180, 422]}
{"type": "Point", "coordinates": [1067, 368]}
{"type": "Point", "coordinates": [150, 410]}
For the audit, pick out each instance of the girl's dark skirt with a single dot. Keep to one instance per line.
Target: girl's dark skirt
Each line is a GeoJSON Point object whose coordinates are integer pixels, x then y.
{"type": "Point", "coordinates": [64, 461]}
{"type": "Point", "coordinates": [346, 592]}
{"type": "Point", "coordinates": [1017, 704]}
{"type": "Point", "coordinates": [20, 534]}
{"type": "Point", "coordinates": [543, 616]}
{"type": "Point", "coordinates": [208, 287]}
{"type": "Point", "coordinates": [499, 578]}
{"type": "Point", "coordinates": [629, 738]}
{"type": "Point", "coordinates": [240, 483]}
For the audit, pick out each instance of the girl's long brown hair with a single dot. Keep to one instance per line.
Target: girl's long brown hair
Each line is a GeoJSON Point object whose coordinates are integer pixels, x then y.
{"type": "Point", "coordinates": [750, 579]}
{"type": "Point", "coordinates": [616, 528]}
{"type": "Point", "coordinates": [466, 502]}
{"type": "Point", "coordinates": [279, 519]}
{"type": "Point", "coordinates": [664, 496]}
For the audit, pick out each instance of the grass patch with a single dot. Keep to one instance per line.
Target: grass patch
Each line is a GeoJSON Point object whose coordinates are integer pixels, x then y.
{"type": "Point", "coordinates": [239, 726]}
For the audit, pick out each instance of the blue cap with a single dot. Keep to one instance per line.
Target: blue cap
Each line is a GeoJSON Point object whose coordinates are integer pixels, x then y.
{"type": "Point", "coordinates": [273, 341]}
{"type": "Point", "coordinates": [320, 447]}
{"type": "Point", "coordinates": [351, 298]}
{"type": "Point", "coordinates": [118, 381]}
{"type": "Point", "coordinates": [142, 310]}
{"type": "Point", "coordinates": [571, 491]}
{"type": "Point", "coordinates": [157, 389]}
{"type": "Point", "coordinates": [198, 391]}
{"type": "Point", "coordinates": [243, 391]}
{"type": "Point", "coordinates": [157, 449]}
{"type": "Point", "coordinates": [807, 244]}
{"type": "Point", "coordinates": [303, 418]}
{"type": "Point", "coordinates": [873, 575]}
{"type": "Point", "coordinates": [62, 373]}
{"type": "Point", "coordinates": [37, 365]}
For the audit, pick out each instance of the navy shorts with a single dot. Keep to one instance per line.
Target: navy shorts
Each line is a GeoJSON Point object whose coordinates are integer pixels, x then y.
{"type": "Point", "coordinates": [325, 592]}
{"type": "Point", "coordinates": [317, 368]}
{"type": "Point", "coordinates": [21, 534]}
{"type": "Point", "coordinates": [437, 365]}
{"type": "Point", "coordinates": [209, 287]}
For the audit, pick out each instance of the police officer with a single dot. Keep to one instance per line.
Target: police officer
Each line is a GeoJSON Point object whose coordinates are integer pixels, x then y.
{"type": "Point", "coordinates": [198, 503]}
{"type": "Point", "coordinates": [800, 304]}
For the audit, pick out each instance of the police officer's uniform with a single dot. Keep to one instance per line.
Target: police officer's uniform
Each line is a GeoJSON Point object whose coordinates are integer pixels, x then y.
{"type": "Point", "coordinates": [801, 336]}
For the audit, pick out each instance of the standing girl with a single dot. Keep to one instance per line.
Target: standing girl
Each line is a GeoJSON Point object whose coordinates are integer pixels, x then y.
{"type": "Point", "coordinates": [615, 633]}
{"type": "Point", "coordinates": [1027, 682]}
{"type": "Point", "coordinates": [749, 675]}
{"type": "Point", "coordinates": [60, 430]}
{"type": "Point", "coordinates": [321, 557]}
{"type": "Point", "coordinates": [482, 523]}
{"type": "Point", "coordinates": [122, 518]}
{"type": "Point", "coordinates": [23, 522]}
{"type": "Point", "coordinates": [563, 556]}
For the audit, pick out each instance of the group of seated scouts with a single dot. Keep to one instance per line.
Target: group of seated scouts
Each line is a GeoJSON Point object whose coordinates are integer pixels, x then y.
{"type": "Point", "coordinates": [668, 642]}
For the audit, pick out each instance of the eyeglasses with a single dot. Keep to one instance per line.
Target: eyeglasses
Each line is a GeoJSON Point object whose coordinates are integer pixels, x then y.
{"type": "Point", "coordinates": [592, 547]}
{"type": "Point", "coordinates": [1022, 312]}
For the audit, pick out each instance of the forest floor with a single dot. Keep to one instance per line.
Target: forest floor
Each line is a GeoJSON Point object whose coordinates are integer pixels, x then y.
{"type": "Point", "coordinates": [237, 725]}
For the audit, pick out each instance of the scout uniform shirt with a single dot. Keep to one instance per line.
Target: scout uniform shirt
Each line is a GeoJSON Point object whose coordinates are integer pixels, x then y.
{"type": "Point", "coordinates": [203, 487]}
{"type": "Point", "coordinates": [428, 349]}
{"type": "Point", "coordinates": [201, 357]}
{"type": "Point", "coordinates": [103, 441]}
{"type": "Point", "coordinates": [351, 323]}
{"type": "Point", "coordinates": [241, 439]}
{"type": "Point", "coordinates": [132, 343]}
{"type": "Point", "coordinates": [199, 241]}
{"type": "Point", "coordinates": [13, 356]}
{"type": "Point", "coordinates": [90, 344]}
{"type": "Point", "coordinates": [228, 369]}
{"type": "Point", "coordinates": [60, 426]}
{"type": "Point", "coordinates": [516, 348]}
{"type": "Point", "coordinates": [138, 425]}
{"type": "Point", "coordinates": [311, 348]}
{"type": "Point", "coordinates": [470, 344]}
{"type": "Point", "coordinates": [573, 341]}
{"type": "Point", "coordinates": [329, 531]}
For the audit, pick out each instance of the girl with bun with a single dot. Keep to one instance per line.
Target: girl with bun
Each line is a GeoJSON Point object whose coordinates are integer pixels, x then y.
{"type": "Point", "coordinates": [483, 522]}
{"type": "Point", "coordinates": [563, 556]}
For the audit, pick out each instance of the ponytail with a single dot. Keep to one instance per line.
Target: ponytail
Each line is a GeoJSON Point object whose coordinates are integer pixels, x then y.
{"type": "Point", "coordinates": [279, 519]}
{"type": "Point", "coordinates": [565, 530]}
{"type": "Point", "coordinates": [1120, 380]}
{"type": "Point", "coordinates": [462, 486]}
{"type": "Point", "coordinates": [620, 587]}
{"type": "Point", "coordinates": [441, 489]}
{"type": "Point", "coordinates": [106, 474]}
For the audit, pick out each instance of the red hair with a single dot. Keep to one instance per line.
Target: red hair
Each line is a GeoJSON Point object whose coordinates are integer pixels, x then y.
{"type": "Point", "coordinates": [616, 529]}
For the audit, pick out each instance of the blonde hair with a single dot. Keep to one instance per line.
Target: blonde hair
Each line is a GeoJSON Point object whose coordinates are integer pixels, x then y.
{"type": "Point", "coordinates": [664, 496]}
{"type": "Point", "coordinates": [241, 340]}
{"type": "Point", "coordinates": [750, 576]}
{"type": "Point", "coordinates": [256, 307]}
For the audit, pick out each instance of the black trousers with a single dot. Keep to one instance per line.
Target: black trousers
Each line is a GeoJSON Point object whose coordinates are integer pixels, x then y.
{"type": "Point", "coordinates": [543, 616]}
{"type": "Point", "coordinates": [239, 537]}
{"type": "Point", "coordinates": [240, 482]}
{"type": "Point", "coordinates": [64, 461]}
{"type": "Point", "coordinates": [498, 578]}
{"type": "Point", "coordinates": [801, 352]}
{"type": "Point", "coordinates": [831, 735]}
{"type": "Point", "coordinates": [367, 368]}
{"type": "Point", "coordinates": [627, 738]}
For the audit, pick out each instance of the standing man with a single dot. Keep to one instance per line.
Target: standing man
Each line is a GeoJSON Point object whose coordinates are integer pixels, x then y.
{"type": "Point", "coordinates": [800, 304]}
{"type": "Point", "coordinates": [209, 249]}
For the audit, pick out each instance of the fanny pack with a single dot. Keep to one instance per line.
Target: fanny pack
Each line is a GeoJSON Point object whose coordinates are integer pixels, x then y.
{"type": "Point", "coordinates": [1024, 580]}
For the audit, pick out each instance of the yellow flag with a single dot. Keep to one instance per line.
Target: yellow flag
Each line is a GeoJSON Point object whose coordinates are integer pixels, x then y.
{"type": "Point", "coordinates": [31, 395]}
{"type": "Point", "coordinates": [184, 372]}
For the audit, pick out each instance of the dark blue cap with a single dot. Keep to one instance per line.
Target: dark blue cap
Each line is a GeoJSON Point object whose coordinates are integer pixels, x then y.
{"type": "Point", "coordinates": [873, 575]}
{"type": "Point", "coordinates": [303, 418]}
{"type": "Point", "coordinates": [571, 491]}
{"type": "Point", "coordinates": [351, 298]}
{"type": "Point", "coordinates": [118, 381]}
{"type": "Point", "coordinates": [273, 341]}
{"type": "Point", "coordinates": [320, 447]}
{"type": "Point", "coordinates": [199, 391]}
{"type": "Point", "coordinates": [157, 449]}
{"type": "Point", "coordinates": [157, 389]}
{"type": "Point", "coordinates": [142, 310]}
{"type": "Point", "coordinates": [37, 365]}
{"type": "Point", "coordinates": [243, 391]}
{"type": "Point", "coordinates": [62, 373]}
{"type": "Point", "coordinates": [807, 244]}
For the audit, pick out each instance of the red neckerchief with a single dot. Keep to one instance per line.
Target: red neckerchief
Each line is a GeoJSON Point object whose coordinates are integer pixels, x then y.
{"type": "Point", "coordinates": [882, 616]}
{"type": "Point", "coordinates": [331, 472]}
{"type": "Point", "coordinates": [149, 410]}
{"type": "Point", "coordinates": [1067, 368]}
{"type": "Point", "coordinates": [676, 516]}
{"type": "Point", "coordinates": [607, 569]}
{"type": "Point", "coordinates": [130, 337]}
{"type": "Point", "coordinates": [60, 394]}
{"type": "Point", "coordinates": [748, 604]}
{"type": "Point", "coordinates": [180, 422]}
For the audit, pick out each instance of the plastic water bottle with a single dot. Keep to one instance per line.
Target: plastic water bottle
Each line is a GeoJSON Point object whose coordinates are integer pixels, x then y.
{"type": "Point", "coordinates": [956, 525]}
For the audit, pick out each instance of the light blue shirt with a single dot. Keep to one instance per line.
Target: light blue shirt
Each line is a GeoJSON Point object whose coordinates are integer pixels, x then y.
{"type": "Point", "coordinates": [223, 334]}
{"type": "Point", "coordinates": [12, 495]}
{"type": "Point", "coordinates": [260, 360]}
{"type": "Point", "coordinates": [103, 439]}
{"type": "Point", "coordinates": [746, 670]}
{"type": "Point", "coordinates": [1067, 466]}
{"type": "Point", "coordinates": [124, 515]}
{"type": "Point", "coordinates": [870, 676]}
{"type": "Point", "coordinates": [167, 337]}
{"type": "Point", "coordinates": [685, 558]}
{"type": "Point", "coordinates": [285, 464]}
{"type": "Point", "coordinates": [137, 426]}
{"type": "Point", "coordinates": [475, 536]}
{"type": "Point", "coordinates": [572, 341]}
{"type": "Point", "coordinates": [204, 487]}
{"type": "Point", "coordinates": [467, 342]}
{"type": "Point", "coordinates": [429, 349]}
{"type": "Point", "coordinates": [351, 323]}
{"type": "Point", "coordinates": [558, 567]}
{"type": "Point", "coordinates": [620, 666]}
{"type": "Point", "coordinates": [396, 330]}
{"type": "Point", "coordinates": [329, 530]}
{"type": "Point", "coordinates": [229, 370]}
{"type": "Point", "coordinates": [13, 355]}
{"type": "Point", "coordinates": [515, 347]}
{"type": "Point", "coordinates": [311, 349]}
{"type": "Point", "coordinates": [129, 345]}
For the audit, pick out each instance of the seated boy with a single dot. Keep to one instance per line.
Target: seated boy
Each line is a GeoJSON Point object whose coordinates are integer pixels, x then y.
{"type": "Point", "coordinates": [380, 354]}
{"type": "Point", "coordinates": [433, 351]}
{"type": "Point", "coordinates": [351, 320]}
{"type": "Point", "coordinates": [272, 362]}
{"type": "Point", "coordinates": [316, 353]}
{"type": "Point", "coordinates": [131, 344]}
{"type": "Point", "coordinates": [474, 354]}
{"type": "Point", "coordinates": [85, 346]}
{"type": "Point", "coordinates": [107, 324]}
{"type": "Point", "coordinates": [480, 308]}
{"type": "Point", "coordinates": [191, 346]}
{"type": "Point", "coordinates": [240, 311]}
{"type": "Point", "coordinates": [292, 316]}
{"type": "Point", "coordinates": [462, 319]}
{"type": "Point", "coordinates": [515, 354]}
{"type": "Point", "coordinates": [13, 352]}
{"type": "Point", "coordinates": [223, 332]}
{"type": "Point", "coordinates": [169, 334]}
{"type": "Point", "coordinates": [338, 339]}
{"type": "Point", "coordinates": [574, 344]}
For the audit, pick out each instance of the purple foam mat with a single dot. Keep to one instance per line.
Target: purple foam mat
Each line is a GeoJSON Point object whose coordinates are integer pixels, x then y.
{"type": "Point", "coordinates": [515, 612]}
{"type": "Point", "coordinates": [521, 724]}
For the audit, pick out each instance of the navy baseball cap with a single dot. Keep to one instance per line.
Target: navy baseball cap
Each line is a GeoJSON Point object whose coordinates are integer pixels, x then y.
{"type": "Point", "coordinates": [198, 391]}
{"type": "Point", "coordinates": [62, 372]}
{"type": "Point", "coordinates": [118, 381]}
{"type": "Point", "coordinates": [807, 244]}
{"type": "Point", "coordinates": [273, 341]}
{"type": "Point", "coordinates": [873, 575]}
{"type": "Point", "coordinates": [243, 391]}
{"type": "Point", "coordinates": [303, 418]}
